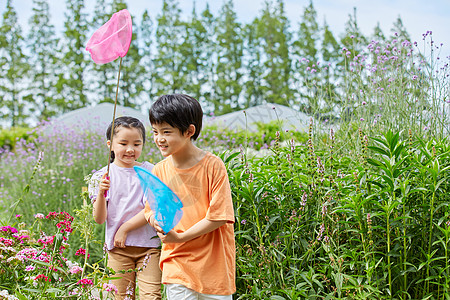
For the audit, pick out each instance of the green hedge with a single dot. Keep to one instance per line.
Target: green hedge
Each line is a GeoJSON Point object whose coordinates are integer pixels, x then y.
{"type": "Point", "coordinates": [9, 137]}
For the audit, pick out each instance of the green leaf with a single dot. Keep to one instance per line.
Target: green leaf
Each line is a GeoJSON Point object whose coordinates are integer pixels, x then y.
{"type": "Point", "coordinates": [276, 297]}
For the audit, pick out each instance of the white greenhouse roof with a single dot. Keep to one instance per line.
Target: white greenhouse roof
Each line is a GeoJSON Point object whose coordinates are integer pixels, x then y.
{"type": "Point", "coordinates": [290, 119]}
{"type": "Point", "coordinates": [98, 116]}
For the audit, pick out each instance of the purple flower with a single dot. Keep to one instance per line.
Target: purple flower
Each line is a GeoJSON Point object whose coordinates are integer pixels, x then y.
{"type": "Point", "coordinates": [244, 221]}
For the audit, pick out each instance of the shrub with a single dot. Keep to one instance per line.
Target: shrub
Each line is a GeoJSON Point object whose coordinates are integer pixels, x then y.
{"type": "Point", "coordinates": [9, 137]}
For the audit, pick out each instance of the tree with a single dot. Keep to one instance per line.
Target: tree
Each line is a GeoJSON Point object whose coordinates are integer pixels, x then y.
{"type": "Point", "coordinates": [399, 31]}
{"type": "Point", "coordinates": [103, 81]}
{"type": "Point", "coordinates": [195, 53]}
{"type": "Point", "coordinates": [229, 61]}
{"type": "Point", "coordinates": [170, 34]}
{"type": "Point", "coordinates": [274, 36]}
{"type": "Point", "coordinates": [208, 57]}
{"type": "Point", "coordinates": [133, 71]}
{"type": "Point", "coordinates": [330, 70]}
{"type": "Point", "coordinates": [354, 43]}
{"type": "Point", "coordinates": [378, 34]}
{"type": "Point", "coordinates": [253, 66]}
{"type": "Point", "coordinates": [306, 56]}
{"type": "Point", "coordinates": [72, 82]}
{"type": "Point", "coordinates": [146, 34]}
{"type": "Point", "coordinates": [42, 41]}
{"type": "Point", "coordinates": [353, 40]}
{"type": "Point", "coordinates": [13, 70]}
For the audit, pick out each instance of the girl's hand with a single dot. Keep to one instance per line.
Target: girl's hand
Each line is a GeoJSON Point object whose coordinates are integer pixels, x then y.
{"type": "Point", "coordinates": [104, 184]}
{"type": "Point", "coordinates": [120, 237]}
{"type": "Point", "coordinates": [155, 224]}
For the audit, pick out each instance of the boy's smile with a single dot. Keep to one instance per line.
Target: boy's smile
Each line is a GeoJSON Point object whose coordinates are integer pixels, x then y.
{"type": "Point", "coordinates": [168, 139]}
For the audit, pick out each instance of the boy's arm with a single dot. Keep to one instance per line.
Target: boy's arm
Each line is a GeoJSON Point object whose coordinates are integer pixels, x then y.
{"type": "Point", "coordinates": [135, 222]}
{"type": "Point", "coordinates": [200, 228]}
{"type": "Point", "coordinates": [99, 205]}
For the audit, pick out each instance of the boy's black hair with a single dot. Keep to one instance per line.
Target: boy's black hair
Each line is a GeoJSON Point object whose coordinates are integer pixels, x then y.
{"type": "Point", "coordinates": [179, 111]}
{"type": "Point", "coordinates": [127, 122]}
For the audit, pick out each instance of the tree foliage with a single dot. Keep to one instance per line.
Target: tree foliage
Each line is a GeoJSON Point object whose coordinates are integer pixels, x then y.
{"type": "Point", "coordinates": [227, 64]}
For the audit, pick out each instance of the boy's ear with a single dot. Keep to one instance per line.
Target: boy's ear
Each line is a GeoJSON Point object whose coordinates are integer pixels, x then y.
{"type": "Point", "coordinates": [108, 144]}
{"type": "Point", "coordinates": [190, 131]}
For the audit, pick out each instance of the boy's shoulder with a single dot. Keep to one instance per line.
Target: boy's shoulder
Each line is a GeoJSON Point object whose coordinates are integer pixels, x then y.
{"type": "Point", "coordinates": [162, 163]}
{"type": "Point", "coordinates": [209, 159]}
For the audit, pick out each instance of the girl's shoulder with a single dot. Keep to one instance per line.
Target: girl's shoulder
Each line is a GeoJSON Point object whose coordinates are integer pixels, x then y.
{"type": "Point", "coordinates": [99, 173]}
{"type": "Point", "coordinates": [147, 165]}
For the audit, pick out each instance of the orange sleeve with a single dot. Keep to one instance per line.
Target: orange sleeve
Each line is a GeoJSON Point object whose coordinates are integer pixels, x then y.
{"type": "Point", "coordinates": [221, 203]}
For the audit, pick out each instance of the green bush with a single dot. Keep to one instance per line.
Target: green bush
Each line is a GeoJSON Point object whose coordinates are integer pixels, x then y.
{"type": "Point", "coordinates": [9, 137]}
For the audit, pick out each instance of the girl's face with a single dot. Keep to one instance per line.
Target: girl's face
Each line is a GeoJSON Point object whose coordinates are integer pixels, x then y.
{"type": "Point", "coordinates": [127, 146]}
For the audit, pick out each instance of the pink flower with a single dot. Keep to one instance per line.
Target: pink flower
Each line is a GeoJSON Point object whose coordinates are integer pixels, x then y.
{"type": "Point", "coordinates": [39, 216]}
{"type": "Point", "coordinates": [81, 252]}
{"type": "Point", "coordinates": [109, 287]}
{"type": "Point", "coordinates": [30, 268]}
{"type": "Point", "coordinates": [8, 229]}
{"type": "Point", "coordinates": [85, 282]}
{"type": "Point", "coordinates": [75, 270]}
{"type": "Point", "coordinates": [44, 278]}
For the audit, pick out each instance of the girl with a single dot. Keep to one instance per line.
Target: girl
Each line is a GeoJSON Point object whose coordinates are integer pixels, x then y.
{"type": "Point", "coordinates": [129, 239]}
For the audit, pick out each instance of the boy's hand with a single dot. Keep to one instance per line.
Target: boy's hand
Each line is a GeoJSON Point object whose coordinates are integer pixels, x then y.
{"type": "Point", "coordinates": [120, 237]}
{"type": "Point", "coordinates": [171, 237]}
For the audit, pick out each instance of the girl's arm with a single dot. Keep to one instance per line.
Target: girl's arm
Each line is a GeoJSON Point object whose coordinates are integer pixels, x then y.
{"type": "Point", "coordinates": [200, 228]}
{"type": "Point", "coordinates": [135, 222]}
{"type": "Point", "coordinates": [99, 206]}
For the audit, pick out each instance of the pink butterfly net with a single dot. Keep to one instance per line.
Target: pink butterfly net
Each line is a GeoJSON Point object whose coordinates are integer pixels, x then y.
{"type": "Point", "coordinates": [111, 40]}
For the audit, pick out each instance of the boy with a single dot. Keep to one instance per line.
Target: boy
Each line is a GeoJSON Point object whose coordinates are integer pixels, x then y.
{"type": "Point", "coordinates": [198, 255]}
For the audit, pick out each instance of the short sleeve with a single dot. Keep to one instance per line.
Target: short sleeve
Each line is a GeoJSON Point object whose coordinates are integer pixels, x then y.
{"type": "Point", "coordinates": [221, 203]}
{"type": "Point", "coordinates": [93, 186]}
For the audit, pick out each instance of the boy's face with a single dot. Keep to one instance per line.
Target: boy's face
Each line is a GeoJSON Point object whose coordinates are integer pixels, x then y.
{"type": "Point", "coordinates": [170, 140]}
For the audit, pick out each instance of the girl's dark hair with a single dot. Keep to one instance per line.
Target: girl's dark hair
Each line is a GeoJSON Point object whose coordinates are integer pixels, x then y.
{"type": "Point", "coordinates": [179, 111]}
{"type": "Point", "coordinates": [127, 122]}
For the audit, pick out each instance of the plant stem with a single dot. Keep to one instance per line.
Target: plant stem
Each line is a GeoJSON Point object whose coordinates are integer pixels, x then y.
{"type": "Point", "coordinates": [388, 236]}
{"type": "Point", "coordinates": [430, 239]}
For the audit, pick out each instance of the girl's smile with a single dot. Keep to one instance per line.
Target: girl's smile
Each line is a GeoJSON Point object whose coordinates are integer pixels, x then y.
{"type": "Point", "coordinates": [127, 146]}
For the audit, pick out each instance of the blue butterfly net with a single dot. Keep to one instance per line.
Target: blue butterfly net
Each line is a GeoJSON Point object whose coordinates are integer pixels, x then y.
{"type": "Point", "coordinates": [164, 203]}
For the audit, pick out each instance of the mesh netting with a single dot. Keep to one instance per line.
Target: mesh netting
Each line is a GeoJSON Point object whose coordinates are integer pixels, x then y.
{"type": "Point", "coordinates": [111, 40]}
{"type": "Point", "coordinates": [164, 203]}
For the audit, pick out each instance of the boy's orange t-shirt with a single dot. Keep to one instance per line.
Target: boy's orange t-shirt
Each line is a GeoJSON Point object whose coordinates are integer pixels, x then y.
{"type": "Point", "coordinates": [207, 263]}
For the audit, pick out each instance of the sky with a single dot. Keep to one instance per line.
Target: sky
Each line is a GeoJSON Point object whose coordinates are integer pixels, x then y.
{"type": "Point", "coordinates": [418, 16]}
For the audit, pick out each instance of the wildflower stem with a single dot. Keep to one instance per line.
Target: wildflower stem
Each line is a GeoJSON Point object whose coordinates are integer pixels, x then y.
{"type": "Point", "coordinates": [26, 188]}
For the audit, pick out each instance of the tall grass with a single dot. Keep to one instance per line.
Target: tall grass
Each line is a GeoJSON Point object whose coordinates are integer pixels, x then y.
{"type": "Point", "coordinates": [313, 224]}
{"type": "Point", "coordinates": [394, 85]}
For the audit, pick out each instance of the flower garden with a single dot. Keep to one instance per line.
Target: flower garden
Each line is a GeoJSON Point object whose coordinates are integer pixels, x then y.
{"type": "Point", "coordinates": [355, 210]}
